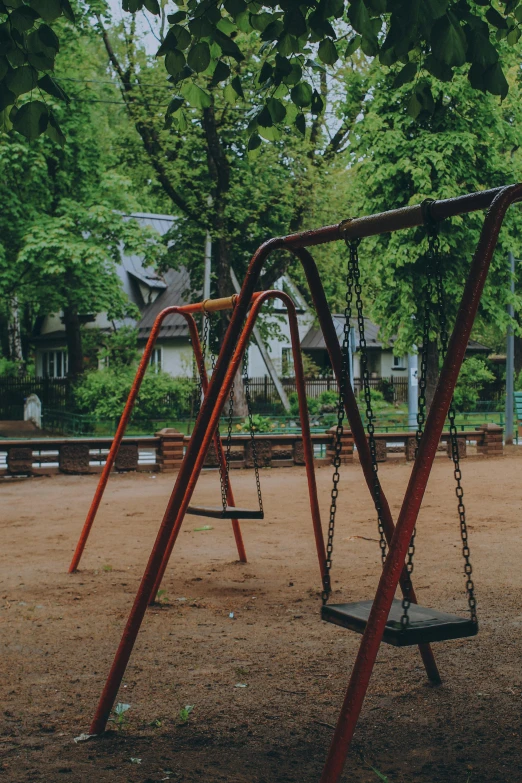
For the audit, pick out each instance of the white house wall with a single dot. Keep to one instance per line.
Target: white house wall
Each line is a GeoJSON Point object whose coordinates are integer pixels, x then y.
{"type": "Point", "coordinates": [176, 356]}
{"type": "Point", "coordinates": [275, 346]}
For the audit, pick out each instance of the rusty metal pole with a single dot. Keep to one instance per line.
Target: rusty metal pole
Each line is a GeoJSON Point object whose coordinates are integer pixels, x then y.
{"type": "Point", "coordinates": [127, 412]}
{"type": "Point", "coordinates": [305, 428]}
{"type": "Point", "coordinates": [393, 566]}
{"type": "Point", "coordinates": [359, 433]}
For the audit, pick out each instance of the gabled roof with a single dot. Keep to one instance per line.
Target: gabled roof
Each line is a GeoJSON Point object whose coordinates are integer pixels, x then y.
{"type": "Point", "coordinates": [314, 340]}
{"type": "Point", "coordinates": [177, 282]}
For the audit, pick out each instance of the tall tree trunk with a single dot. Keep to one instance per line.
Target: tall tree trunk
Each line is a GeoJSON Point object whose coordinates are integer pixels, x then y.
{"type": "Point", "coordinates": [15, 336]}
{"type": "Point", "coordinates": [432, 372]}
{"type": "Point", "coordinates": [73, 336]}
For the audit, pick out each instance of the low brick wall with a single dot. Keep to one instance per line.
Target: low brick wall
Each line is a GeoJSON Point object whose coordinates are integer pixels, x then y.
{"type": "Point", "coordinates": [164, 451]}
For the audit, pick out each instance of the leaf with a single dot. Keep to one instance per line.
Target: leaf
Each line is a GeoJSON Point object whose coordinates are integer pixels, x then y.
{"type": "Point", "coordinates": [496, 19]}
{"type": "Point", "coordinates": [175, 104]}
{"type": "Point", "coordinates": [414, 106]}
{"type": "Point", "coordinates": [294, 76]}
{"type": "Point", "coordinates": [4, 67]}
{"type": "Point", "coordinates": [353, 44]}
{"type": "Point", "coordinates": [152, 6]}
{"type": "Point", "coordinates": [449, 41]}
{"type": "Point", "coordinates": [264, 118]}
{"type": "Point", "coordinates": [179, 16]}
{"type": "Point", "coordinates": [270, 134]}
{"type": "Point", "coordinates": [295, 23]}
{"type": "Point", "coordinates": [174, 62]}
{"type": "Point", "coordinates": [221, 72]}
{"type": "Point", "coordinates": [21, 80]}
{"type": "Point", "coordinates": [328, 52]}
{"type": "Point", "coordinates": [286, 46]}
{"type": "Point", "coordinates": [23, 18]}
{"type": "Point", "coordinates": [261, 21]}
{"type": "Point", "coordinates": [235, 7]}
{"type": "Point", "coordinates": [254, 142]}
{"type": "Point", "coordinates": [195, 96]}
{"type": "Point", "coordinates": [67, 10]}
{"type": "Point", "coordinates": [513, 36]}
{"type": "Point", "coordinates": [360, 18]}
{"type": "Point", "coordinates": [47, 9]}
{"type": "Point", "coordinates": [198, 57]}
{"type": "Point", "coordinates": [182, 36]}
{"type": "Point", "coordinates": [229, 94]}
{"type": "Point", "coordinates": [276, 109]}
{"type": "Point", "coordinates": [405, 75]}
{"type": "Point", "coordinates": [301, 94]}
{"type": "Point", "coordinates": [228, 46]}
{"type": "Point", "coordinates": [51, 86]}
{"type": "Point", "coordinates": [236, 84]}
{"type": "Point", "coordinates": [31, 119]}
{"type": "Point", "coordinates": [437, 69]}
{"type": "Point", "coordinates": [55, 132]}
{"type": "Point", "coordinates": [495, 81]}
{"type": "Point", "coordinates": [48, 40]}
{"type": "Point", "coordinates": [7, 98]}
{"type": "Point", "coordinates": [300, 123]}
{"type": "Point", "coordinates": [317, 103]}
{"type": "Point", "coordinates": [437, 8]}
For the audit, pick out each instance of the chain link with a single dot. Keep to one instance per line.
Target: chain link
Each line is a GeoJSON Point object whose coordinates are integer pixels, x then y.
{"type": "Point", "coordinates": [466, 554]}
{"type": "Point", "coordinates": [246, 382]}
{"type": "Point", "coordinates": [224, 476]}
{"type": "Point", "coordinates": [365, 375]}
{"type": "Point", "coordinates": [327, 586]}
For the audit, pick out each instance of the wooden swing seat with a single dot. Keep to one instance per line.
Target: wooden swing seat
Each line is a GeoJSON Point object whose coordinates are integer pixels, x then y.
{"type": "Point", "coordinates": [425, 625]}
{"type": "Point", "coordinates": [230, 512]}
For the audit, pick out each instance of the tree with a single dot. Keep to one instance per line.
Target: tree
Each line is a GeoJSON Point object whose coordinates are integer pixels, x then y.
{"type": "Point", "coordinates": [464, 142]}
{"type": "Point", "coordinates": [410, 36]}
{"type": "Point", "coordinates": [61, 234]}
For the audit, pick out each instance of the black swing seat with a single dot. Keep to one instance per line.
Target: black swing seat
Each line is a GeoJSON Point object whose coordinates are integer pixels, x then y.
{"type": "Point", "coordinates": [425, 625]}
{"type": "Point", "coordinates": [230, 512]}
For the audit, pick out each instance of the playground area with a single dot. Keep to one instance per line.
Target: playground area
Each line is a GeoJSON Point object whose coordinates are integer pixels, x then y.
{"type": "Point", "coordinates": [243, 644]}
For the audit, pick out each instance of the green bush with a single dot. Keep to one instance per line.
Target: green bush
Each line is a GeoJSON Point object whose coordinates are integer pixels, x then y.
{"type": "Point", "coordinates": [103, 394]}
{"type": "Point", "coordinates": [259, 424]}
{"type": "Point", "coordinates": [328, 401]}
{"type": "Point", "coordinates": [473, 377]}
{"type": "Point", "coordinates": [312, 402]}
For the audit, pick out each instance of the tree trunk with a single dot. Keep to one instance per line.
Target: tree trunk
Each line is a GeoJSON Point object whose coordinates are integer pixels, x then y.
{"type": "Point", "coordinates": [73, 337]}
{"type": "Point", "coordinates": [432, 372]}
{"type": "Point", "coordinates": [15, 335]}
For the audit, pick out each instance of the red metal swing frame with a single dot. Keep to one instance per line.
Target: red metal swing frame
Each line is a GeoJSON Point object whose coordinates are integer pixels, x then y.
{"type": "Point", "coordinates": [497, 202]}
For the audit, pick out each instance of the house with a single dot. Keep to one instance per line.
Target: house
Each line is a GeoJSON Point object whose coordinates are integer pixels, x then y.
{"type": "Point", "coordinates": [383, 361]}
{"type": "Point", "coordinates": [152, 292]}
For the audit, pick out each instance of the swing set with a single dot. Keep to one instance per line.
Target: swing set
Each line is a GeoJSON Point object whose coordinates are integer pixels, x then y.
{"type": "Point", "coordinates": [384, 618]}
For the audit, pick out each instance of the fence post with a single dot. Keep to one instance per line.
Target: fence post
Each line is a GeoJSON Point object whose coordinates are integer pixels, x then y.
{"type": "Point", "coordinates": [346, 446]}
{"type": "Point", "coordinates": [170, 449]}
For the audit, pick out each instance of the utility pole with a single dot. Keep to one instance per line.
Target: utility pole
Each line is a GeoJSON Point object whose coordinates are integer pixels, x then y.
{"type": "Point", "coordinates": [510, 359]}
{"type": "Point", "coordinates": [413, 389]}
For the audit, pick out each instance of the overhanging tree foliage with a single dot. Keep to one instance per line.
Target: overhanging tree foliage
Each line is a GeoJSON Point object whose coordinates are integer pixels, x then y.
{"type": "Point", "coordinates": [411, 37]}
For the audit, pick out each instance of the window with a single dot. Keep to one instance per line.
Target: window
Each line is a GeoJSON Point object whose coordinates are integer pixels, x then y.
{"type": "Point", "coordinates": [55, 364]}
{"type": "Point", "coordinates": [155, 359]}
{"type": "Point", "coordinates": [287, 362]}
{"type": "Point", "coordinates": [399, 363]}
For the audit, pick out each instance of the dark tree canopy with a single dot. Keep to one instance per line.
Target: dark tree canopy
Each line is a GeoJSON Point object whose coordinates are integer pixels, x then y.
{"type": "Point", "coordinates": [205, 42]}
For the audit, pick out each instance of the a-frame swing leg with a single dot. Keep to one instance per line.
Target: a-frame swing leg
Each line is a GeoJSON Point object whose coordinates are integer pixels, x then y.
{"type": "Point", "coordinates": [124, 420]}
{"type": "Point", "coordinates": [358, 431]}
{"type": "Point", "coordinates": [422, 466]}
{"type": "Point", "coordinates": [305, 429]}
{"type": "Point", "coordinates": [204, 427]}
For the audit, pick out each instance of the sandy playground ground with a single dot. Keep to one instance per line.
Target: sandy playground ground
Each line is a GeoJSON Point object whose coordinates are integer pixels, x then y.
{"type": "Point", "coordinates": [266, 684]}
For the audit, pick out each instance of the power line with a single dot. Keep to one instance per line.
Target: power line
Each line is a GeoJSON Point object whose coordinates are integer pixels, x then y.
{"type": "Point", "coordinates": [113, 83]}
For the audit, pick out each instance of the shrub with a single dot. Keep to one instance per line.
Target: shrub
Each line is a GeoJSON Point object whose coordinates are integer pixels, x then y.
{"type": "Point", "coordinates": [312, 402]}
{"type": "Point", "coordinates": [328, 401]}
{"type": "Point", "coordinates": [472, 379]}
{"type": "Point", "coordinates": [259, 424]}
{"type": "Point", "coordinates": [103, 394]}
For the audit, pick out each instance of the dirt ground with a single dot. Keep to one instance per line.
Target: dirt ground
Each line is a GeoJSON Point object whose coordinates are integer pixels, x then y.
{"type": "Point", "coordinates": [243, 643]}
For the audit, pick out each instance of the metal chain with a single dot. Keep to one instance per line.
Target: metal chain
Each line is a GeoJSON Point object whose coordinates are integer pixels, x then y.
{"type": "Point", "coordinates": [224, 476]}
{"type": "Point", "coordinates": [327, 586]}
{"type": "Point", "coordinates": [421, 419]}
{"type": "Point", "coordinates": [200, 371]}
{"type": "Point", "coordinates": [365, 374]}
{"type": "Point", "coordinates": [468, 570]}
{"type": "Point", "coordinates": [246, 382]}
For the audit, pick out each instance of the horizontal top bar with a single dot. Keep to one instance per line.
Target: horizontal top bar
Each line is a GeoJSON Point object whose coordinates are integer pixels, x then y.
{"type": "Point", "coordinates": [394, 220]}
{"type": "Point", "coordinates": [213, 305]}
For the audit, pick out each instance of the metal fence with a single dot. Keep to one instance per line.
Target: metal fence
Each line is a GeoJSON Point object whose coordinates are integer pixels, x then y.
{"type": "Point", "coordinates": [54, 393]}
{"type": "Point", "coordinates": [265, 397]}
